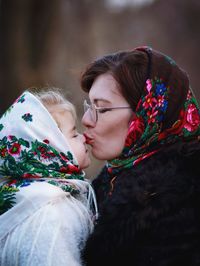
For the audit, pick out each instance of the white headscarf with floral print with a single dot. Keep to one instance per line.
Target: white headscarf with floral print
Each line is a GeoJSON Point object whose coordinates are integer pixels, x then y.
{"type": "Point", "coordinates": [32, 148]}
{"type": "Point", "coordinates": [32, 145]}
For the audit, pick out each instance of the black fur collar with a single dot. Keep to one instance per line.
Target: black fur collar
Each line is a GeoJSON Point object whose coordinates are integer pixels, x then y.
{"type": "Point", "coordinates": [152, 217]}
{"type": "Point", "coordinates": [174, 173]}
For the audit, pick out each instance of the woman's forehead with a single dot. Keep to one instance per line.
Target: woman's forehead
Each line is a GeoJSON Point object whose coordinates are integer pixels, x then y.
{"type": "Point", "coordinates": [104, 88]}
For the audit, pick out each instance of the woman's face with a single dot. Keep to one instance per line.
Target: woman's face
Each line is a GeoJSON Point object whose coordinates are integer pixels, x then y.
{"type": "Point", "coordinates": [107, 136]}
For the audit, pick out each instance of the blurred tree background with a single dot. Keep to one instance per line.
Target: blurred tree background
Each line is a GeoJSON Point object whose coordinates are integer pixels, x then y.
{"type": "Point", "coordinates": [49, 43]}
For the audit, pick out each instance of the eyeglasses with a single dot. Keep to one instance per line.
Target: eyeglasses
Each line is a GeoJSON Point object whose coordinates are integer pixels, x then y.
{"type": "Point", "coordinates": [94, 110]}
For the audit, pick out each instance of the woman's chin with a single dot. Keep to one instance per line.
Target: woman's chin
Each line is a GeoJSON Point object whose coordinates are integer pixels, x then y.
{"type": "Point", "coordinates": [104, 155]}
{"type": "Point", "coordinates": [99, 155]}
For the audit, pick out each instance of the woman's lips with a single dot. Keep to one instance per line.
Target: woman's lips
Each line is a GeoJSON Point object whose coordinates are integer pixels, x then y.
{"type": "Point", "coordinates": [89, 140]}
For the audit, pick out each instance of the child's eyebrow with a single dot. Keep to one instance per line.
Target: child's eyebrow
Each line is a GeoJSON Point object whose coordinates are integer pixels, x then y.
{"type": "Point", "coordinates": [73, 128]}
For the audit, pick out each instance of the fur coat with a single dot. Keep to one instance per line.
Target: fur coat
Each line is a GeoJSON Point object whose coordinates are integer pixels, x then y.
{"type": "Point", "coordinates": [149, 215]}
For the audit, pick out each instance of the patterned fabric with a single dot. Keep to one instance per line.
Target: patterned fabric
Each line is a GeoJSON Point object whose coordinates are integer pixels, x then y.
{"type": "Point", "coordinates": [32, 148]}
{"type": "Point", "coordinates": [167, 112]}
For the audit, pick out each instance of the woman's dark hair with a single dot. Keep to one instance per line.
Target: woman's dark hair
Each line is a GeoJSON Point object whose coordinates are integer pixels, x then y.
{"type": "Point", "coordinates": [131, 69]}
{"type": "Point", "coordinates": [128, 68]}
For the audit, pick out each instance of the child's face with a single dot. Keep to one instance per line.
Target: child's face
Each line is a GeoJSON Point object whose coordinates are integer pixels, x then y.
{"type": "Point", "coordinates": [77, 141]}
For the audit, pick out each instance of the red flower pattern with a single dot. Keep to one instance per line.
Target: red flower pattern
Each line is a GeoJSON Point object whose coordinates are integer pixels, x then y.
{"type": "Point", "coordinates": [15, 149]}
{"type": "Point", "coordinates": [150, 101]}
{"type": "Point", "coordinates": [27, 175]}
{"type": "Point", "coordinates": [135, 131]}
{"type": "Point", "coordinates": [192, 118]}
{"type": "Point", "coordinates": [64, 157]}
{"type": "Point", "coordinates": [3, 152]}
{"type": "Point", "coordinates": [161, 99]}
{"type": "Point", "coordinates": [152, 116]}
{"type": "Point", "coordinates": [69, 169]}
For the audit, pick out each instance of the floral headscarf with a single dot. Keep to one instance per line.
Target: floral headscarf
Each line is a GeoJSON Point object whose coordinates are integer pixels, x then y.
{"type": "Point", "coordinates": [32, 148]}
{"type": "Point", "coordinates": [166, 112]}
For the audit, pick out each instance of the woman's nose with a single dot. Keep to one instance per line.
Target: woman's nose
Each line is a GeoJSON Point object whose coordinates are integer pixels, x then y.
{"type": "Point", "coordinates": [87, 121]}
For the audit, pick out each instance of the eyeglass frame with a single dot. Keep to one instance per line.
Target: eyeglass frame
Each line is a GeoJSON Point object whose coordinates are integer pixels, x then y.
{"type": "Point", "coordinates": [88, 106]}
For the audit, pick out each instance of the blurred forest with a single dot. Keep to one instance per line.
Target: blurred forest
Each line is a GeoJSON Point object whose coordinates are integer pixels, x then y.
{"type": "Point", "coordinates": [49, 43]}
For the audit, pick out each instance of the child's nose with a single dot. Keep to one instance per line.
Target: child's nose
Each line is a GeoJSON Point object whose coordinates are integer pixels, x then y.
{"type": "Point", "coordinates": [83, 138]}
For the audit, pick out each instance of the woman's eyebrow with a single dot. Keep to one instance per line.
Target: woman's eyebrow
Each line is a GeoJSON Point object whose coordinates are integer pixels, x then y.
{"type": "Point", "coordinates": [96, 100]}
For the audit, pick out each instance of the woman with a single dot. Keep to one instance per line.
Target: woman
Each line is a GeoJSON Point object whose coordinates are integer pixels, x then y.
{"type": "Point", "coordinates": [46, 205]}
{"type": "Point", "coordinates": [144, 120]}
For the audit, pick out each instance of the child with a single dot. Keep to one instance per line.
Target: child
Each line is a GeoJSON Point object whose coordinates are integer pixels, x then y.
{"type": "Point", "coordinates": [47, 208]}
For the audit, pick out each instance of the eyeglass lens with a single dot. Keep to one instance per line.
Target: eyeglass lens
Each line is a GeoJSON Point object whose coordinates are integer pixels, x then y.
{"type": "Point", "coordinates": [92, 110]}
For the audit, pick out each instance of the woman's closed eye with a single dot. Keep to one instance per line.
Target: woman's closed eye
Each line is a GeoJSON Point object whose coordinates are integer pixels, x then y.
{"type": "Point", "coordinates": [103, 110]}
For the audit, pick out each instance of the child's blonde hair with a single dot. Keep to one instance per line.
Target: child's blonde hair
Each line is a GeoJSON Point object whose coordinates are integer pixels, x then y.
{"type": "Point", "coordinates": [54, 100]}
